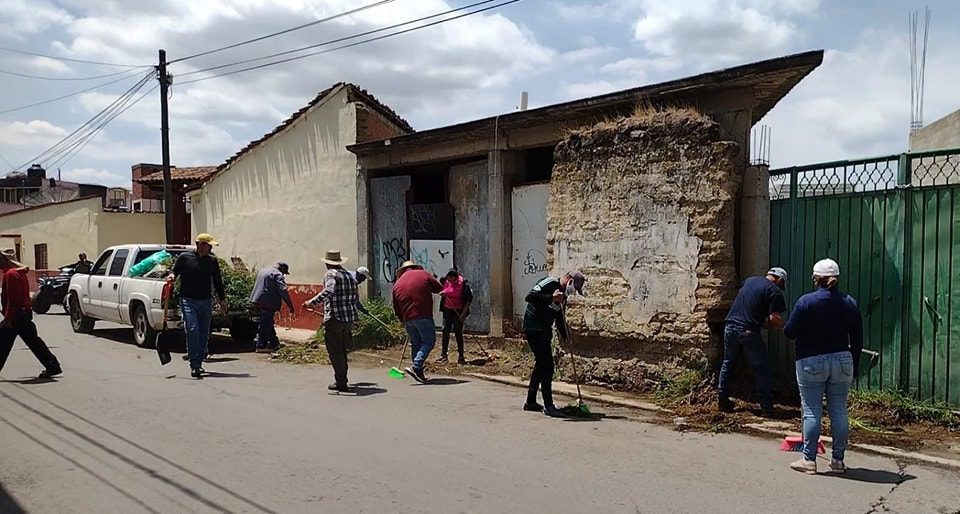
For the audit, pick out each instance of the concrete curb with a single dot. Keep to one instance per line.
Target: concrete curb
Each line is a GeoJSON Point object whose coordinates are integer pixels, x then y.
{"type": "Point", "coordinates": [886, 451]}
{"type": "Point", "coordinates": [571, 390]}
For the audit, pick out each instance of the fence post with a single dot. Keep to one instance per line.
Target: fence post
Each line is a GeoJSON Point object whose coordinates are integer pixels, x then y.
{"type": "Point", "coordinates": [795, 249]}
{"type": "Point", "coordinates": [905, 192]}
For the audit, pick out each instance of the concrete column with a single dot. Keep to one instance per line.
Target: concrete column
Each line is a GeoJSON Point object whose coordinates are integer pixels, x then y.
{"type": "Point", "coordinates": [755, 221]}
{"type": "Point", "coordinates": [364, 224]}
{"type": "Point", "coordinates": [502, 167]}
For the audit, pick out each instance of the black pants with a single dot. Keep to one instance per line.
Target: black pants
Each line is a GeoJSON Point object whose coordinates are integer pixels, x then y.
{"type": "Point", "coordinates": [451, 321]}
{"type": "Point", "coordinates": [337, 337]}
{"type": "Point", "coordinates": [542, 376]}
{"type": "Point", "coordinates": [27, 330]}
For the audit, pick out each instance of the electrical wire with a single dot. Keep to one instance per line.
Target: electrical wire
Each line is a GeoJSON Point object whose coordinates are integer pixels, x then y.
{"type": "Point", "coordinates": [68, 59]}
{"type": "Point", "coordinates": [342, 47]}
{"type": "Point", "coordinates": [75, 93]}
{"type": "Point", "coordinates": [282, 32]}
{"type": "Point", "coordinates": [67, 158]}
{"type": "Point", "coordinates": [337, 40]}
{"type": "Point", "coordinates": [84, 129]}
{"type": "Point", "coordinates": [26, 75]}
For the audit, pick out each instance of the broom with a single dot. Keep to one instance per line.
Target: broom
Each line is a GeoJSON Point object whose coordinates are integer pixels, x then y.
{"type": "Point", "coordinates": [794, 443]}
{"type": "Point", "coordinates": [396, 372]}
{"type": "Point", "coordinates": [578, 409]}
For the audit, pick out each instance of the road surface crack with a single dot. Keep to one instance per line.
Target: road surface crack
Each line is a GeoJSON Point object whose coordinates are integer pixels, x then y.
{"type": "Point", "coordinates": [880, 504]}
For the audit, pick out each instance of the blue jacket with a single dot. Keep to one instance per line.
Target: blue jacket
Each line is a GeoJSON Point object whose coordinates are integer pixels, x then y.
{"type": "Point", "coordinates": [270, 290]}
{"type": "Point", "coordinates": [826, 321]}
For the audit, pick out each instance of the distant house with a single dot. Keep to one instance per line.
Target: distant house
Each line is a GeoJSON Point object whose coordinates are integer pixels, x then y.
{"type": "Point", "coordinates": [147, 193]}
{"type": "Point", "coordinates": [119, 198]}
{"type": "Point", "coordinates": [292, 194]}
{"type": "Point", "coordinates": [33, 188]}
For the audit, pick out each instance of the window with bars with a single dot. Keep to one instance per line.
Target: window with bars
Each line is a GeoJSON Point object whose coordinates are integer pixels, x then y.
{"type": "Point", "coordinates": [40, 256]}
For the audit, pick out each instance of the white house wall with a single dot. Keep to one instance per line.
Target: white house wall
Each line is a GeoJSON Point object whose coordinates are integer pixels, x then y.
{"type": "Point", "coordinates": [291, 198]}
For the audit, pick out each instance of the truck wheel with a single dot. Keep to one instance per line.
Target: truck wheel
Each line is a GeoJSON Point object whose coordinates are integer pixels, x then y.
{"type": "Point", "coordinates": [242, 331]}
{"type": "Point", "coordinates": [80, 323]}
{"type": "Point", "coordinates": [143, 334]}
{"type": "Point", "coordinates": [40, 306]}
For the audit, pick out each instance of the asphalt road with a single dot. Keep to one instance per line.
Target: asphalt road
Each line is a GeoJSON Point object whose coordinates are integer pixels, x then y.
{"type": "Point", "coordinates": [118, 432]}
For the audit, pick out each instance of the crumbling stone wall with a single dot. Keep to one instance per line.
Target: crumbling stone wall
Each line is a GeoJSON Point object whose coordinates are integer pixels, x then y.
{"type": "Point", "coordinates": [645, 207]}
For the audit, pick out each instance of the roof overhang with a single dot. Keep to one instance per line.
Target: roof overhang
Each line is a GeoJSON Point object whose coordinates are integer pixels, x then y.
{"type": "Point", "coordinates": [767, 81]}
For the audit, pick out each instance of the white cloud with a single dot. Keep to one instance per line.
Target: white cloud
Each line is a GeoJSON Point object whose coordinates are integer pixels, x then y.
{"type": "Point", "coordinates": [95, 176]}
{"type": "Point", "coordinates": [717, 32]}
{"type": "Point", "coordinates": [46, 64]}
{"type": "Point", "coordinates": [586, 54]}
{"type": "Point", "coordinates": [19, 18]}
{"type": "Point", "coordinates": [31, 133]}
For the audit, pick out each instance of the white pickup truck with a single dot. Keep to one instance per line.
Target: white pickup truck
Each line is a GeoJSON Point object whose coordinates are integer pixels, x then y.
{"type": "Point", "coordinates": [108, 294]}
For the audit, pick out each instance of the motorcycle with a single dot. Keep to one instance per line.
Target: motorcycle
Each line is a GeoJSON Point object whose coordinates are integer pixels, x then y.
{"type": "Point", "coordinates": [53, 290]}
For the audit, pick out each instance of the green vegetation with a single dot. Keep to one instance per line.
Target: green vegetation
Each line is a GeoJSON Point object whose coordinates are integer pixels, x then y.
{"type": "Point", "coordinates": [682, 387]}
{"type": "Point", "coordinates": [368, 333]}
{"type": "Point", "coordinates": [878, 410]}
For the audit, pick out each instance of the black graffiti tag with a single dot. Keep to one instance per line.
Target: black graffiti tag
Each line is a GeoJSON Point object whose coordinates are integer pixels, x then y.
{"type": "Point", "coordinates": [394, 253]}
{"type": "Point", "coordinates": [533, 265]}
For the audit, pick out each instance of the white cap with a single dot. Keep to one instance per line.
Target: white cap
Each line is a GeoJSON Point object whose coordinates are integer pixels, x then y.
{"type": "Point", "coordinates": [362, 270]}
{"type": "Point", "coordinates": [826, 268]}
{"type": "Point", "coordinates": [778, 272]}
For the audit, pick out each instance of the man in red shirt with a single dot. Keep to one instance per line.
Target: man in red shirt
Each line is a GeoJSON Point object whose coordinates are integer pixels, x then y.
{"type": "Point", "coordinates": [413, 302]}
{"type": "Point", "coordinates": [18, 316]}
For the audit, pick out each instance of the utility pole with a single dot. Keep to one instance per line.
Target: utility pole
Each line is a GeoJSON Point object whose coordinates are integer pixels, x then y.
{"type": "Point", "coordinates": [165, 146]}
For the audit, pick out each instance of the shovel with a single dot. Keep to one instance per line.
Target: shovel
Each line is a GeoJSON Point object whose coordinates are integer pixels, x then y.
{"type": "Point", "coordinates": [163, 354]}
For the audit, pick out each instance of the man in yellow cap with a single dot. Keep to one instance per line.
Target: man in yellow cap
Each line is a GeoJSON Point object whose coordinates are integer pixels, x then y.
{"type": "Point", "coordinates": [197, 270]}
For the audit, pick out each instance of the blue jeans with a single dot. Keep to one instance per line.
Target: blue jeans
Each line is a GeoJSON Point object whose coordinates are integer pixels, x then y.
{"type": "Point", "coordinates": [266, 331]}
{"type": "Point", "coordinates": [831, 374]}
{"type": "Point", "coordinates": [196, 324]}
{"type": "Point", "coordinates": [736, 341]}
{"type": "Point", "coordinates": [423, 336]}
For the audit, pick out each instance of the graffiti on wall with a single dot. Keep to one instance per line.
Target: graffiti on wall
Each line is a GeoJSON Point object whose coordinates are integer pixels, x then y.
{"type": "Point", "coordinates": [436, 257]}
{"type": "Point", "coordinates": [529, 216]}
{"type": "Point", "coordinates": [394, 253]}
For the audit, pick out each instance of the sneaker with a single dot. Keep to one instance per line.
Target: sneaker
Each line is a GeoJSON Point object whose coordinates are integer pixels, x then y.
{"type": "Point", "coordinates": [196, 373]}
{"type": "Point", "coordinates": [725, 405]}
{"type": "Point", "coordinates": [837, 466]}
{"type": "Point", "coordinates": [532, 407]}
{"type": "Point", "coordinates": [442, 360]}
{"type": "Point", "coordinates": [553, 412]}
{"type": "Point", "coordinates": [461, 361]}
{"type": "Point", "coordinates": [337, 388]}
{"type": "Point", "coordinates": [417, 374]}
{"type": "Point", "coordinates": [202, 370]}
{"type": "Point", "coordinates": [805, 466]}
{"type": "Point", "coordinates": [50, 373]}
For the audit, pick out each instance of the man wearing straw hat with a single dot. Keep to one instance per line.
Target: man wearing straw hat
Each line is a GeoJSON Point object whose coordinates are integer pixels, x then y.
{"type": "Point", "coordinates": [340, 297]}
{"type": "Point", "coordinates": [413, 302]}
{"type": "Point", "coordinates": [18, 316]}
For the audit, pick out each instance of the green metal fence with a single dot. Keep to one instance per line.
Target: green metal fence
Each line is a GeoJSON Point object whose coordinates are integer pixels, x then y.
{"type": "Point", "coordinates": [893, 224]}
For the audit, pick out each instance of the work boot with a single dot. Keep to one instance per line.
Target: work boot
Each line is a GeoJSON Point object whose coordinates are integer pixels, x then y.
{"type": "Point", "coordinates": [805, 466]}
{"type": "Point", "coordinates": [196, 373]}
{"type": "Point", "coordinates": [725, 405]}
{"type": "Point", "coordinates": [532, 407]}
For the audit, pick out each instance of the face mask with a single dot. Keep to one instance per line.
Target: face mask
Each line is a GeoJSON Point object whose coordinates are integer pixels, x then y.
{"type": "Point", "coordinates": [571, 289]}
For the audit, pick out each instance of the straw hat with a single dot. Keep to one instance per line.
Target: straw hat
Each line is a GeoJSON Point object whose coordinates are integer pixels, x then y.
{"type": "Point", "coordinates": [334, 258]}
{"type": "Point", "coordinates": [11, 256]}
{"type": "Point", "coordinates": [408, 265]}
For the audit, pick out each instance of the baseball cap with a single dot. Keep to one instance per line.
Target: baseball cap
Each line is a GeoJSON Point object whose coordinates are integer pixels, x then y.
{"type": "Point", "coordinates": [207, 238]}
{"type": "Point", "coordinates": [283, 267]}
{"type": "Point", "coordinates": [778, 272]}
{"type": "Point", "coordinates": [362, 270]}
{"type": "Point", "coordinates": [826, 268]}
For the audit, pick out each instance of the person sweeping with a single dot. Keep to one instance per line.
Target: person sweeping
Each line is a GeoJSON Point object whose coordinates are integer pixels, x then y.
{"type": "Point", "coordinates": [455, 300]}
{"type": "Point", "coordinates": [545, 304]}
{"type": "Point", "coordinates": [828, 330]}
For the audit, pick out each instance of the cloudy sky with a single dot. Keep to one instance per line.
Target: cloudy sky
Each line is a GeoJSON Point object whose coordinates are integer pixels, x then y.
{"type": "Point", "coordinates": [856, 104]}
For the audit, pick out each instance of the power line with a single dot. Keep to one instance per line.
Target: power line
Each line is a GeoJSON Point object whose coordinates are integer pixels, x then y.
{"type": "Point", "coordinates": [370, 40]}
{"type": "Point", "coordinates": [75, 93]}
{"type": "Point", "coordinates": [6, 161]}
{"type": "Point", "coordinates": [57, 148]}
{"type": "Point", "coordinates": [286, 31]}
{"type": "Point", "coordinates": [93, 135]}
{"type": "Point", "coordinates": [25, 75]}
{"type": "Point", "coordinates": [68, 59]}
{"type": "Point", "coordinates": [338, 40]}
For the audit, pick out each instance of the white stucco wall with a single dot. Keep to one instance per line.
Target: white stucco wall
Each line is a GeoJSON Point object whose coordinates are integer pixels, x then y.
{"type": "Point", "coordinates": [529, 221]}
{"type": "Point", "coordinates": [74, 227]}
{"type": "Point", "coordinates": [291, 198]}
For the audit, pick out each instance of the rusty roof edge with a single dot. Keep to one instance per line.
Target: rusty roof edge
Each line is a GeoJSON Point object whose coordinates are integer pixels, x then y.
{"type": "Point", "coordinates": [809, 60]}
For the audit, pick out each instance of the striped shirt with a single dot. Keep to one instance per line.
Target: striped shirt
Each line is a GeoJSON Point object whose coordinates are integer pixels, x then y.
{"type": "Point", "coordinates": [340, 296]}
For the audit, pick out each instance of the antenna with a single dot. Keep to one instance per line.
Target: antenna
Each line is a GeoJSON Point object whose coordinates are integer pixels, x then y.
{"type": "Point", "coordinates": [918, 64]}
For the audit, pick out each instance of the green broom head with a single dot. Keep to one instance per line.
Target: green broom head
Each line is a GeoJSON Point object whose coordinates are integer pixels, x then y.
{"type": "Point", "coordinates": [395, 373]}
{"type": "Point", "coordinates": [577, 410]}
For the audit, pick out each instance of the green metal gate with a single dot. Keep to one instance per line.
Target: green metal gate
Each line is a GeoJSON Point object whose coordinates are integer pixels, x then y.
{"type": "Point", "coordinates": [893, 224]}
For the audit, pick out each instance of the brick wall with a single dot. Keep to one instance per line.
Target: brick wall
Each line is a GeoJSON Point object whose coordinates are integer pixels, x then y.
{"type": "Point", "coordinates": [141, 192]}
{"type": "Point", "coordinates": [372, 126]}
